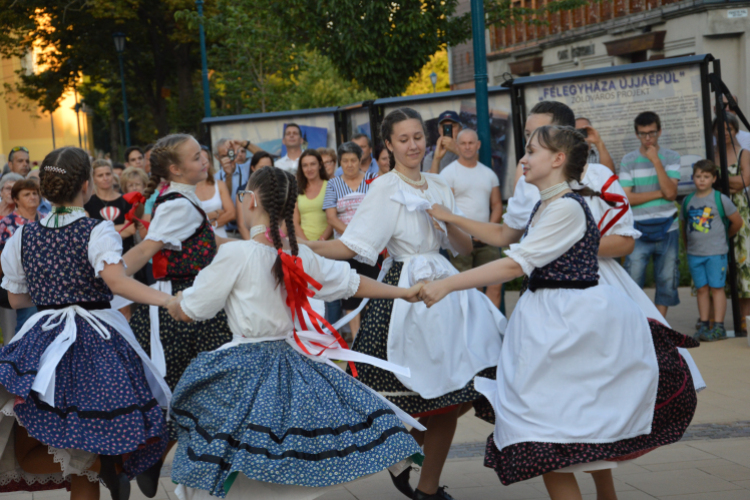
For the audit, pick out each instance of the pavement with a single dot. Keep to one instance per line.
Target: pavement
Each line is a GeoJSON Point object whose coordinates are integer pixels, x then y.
{"type": "Point", "coordinates": [711, 462]}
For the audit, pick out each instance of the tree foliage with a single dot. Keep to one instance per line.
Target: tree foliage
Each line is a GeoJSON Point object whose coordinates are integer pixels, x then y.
{"type": "Point", "coordinates": [506, 12]}
{"type": "Point", "coordinates": [421, 82]}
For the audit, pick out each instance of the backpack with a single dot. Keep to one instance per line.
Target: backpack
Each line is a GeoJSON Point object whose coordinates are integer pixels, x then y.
{"type": "Point", "coordinates": [719, 207]}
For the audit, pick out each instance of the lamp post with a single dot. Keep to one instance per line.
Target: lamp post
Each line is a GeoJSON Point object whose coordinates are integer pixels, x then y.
{"type": "Point", "coordinates": [204, 63]}
{"type": "Point", "coordinates": [120, 47]}
{"type": "Point", "coordinates": [480, 81]}
{"type": "Point", "coordinates": [433, 79]}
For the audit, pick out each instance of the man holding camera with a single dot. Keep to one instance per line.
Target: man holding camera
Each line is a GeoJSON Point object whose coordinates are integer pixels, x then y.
{"type": "Point", "coordinates": [597, 150]}
{"type": "Point", "coordinates": [446, 151]}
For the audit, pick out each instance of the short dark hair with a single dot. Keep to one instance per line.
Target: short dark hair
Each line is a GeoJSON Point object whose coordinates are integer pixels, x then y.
{"type": "Point", "coordinates": [257, 157]}
{"type": "Point", "coordinates": [647, 118]}
{"type": "Point", "coordinates": [561, 114]}
{"type": "Point", "coordinates": [130, 150]}
{"type": "Point", "coordinates": [359, 136]}
{"type": "Point", "coordinates": [148, 148]}
{"type": "Point", "coordinates": [350, 147]}
{"type": "Point", "coordinates": [293, 125]}
{"type": "Point", "coordinates": [118, 165]}
{"type": "Point", "coordinates": [703, 165]}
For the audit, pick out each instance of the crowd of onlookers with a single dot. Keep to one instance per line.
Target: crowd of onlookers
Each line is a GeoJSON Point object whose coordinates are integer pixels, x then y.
{"type": "Point", "coordinates": [333, 183]}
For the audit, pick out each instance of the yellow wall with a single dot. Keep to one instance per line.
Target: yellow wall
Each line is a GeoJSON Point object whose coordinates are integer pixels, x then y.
{"type": "Point", "coordinates": [34, 129]}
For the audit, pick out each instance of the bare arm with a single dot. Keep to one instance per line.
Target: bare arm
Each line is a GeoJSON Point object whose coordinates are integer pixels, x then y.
{"type": "Point", "coordinates": [229, 213]}
{"type": "Point", "coordinates": [332, 217]}
{"type": "Point", "coordinates": [496, 205]}
{"type": "Point", "coordinates": [736, 223]}
{"type": "Point", "coordinates": [498, 235]}
{"type": "Point", "coordinates": [739, 182]}
{"type": "Point", "coordinates": [494, 273]}
{"type": "Point", "coordinates": [19, 300]}
{"type": "Point", "coordinates": [139, 255]}
{"type": "Point", "coordinates": [667, 185]}
{"type": "Point", "coordinates": [332, 249]}
{"type": "Point", "coordinates": [298, 222]}
{"type": "Point", "coordinates": [636, 199]}
{"type": "Point", "coordinates": [121, 284]}
{"type": "Point", "coordinates": [372, 289]}
{"type": "Point", "coordinates": [604, 157]}
{"type": "Point", "coordinates": [129, 231]}
{"type": "Point", "coordinates": [460, 240]}
{"type": "Point", "coordinates": [616, 246]}
{"type": "Point", "coordinates": [327, 233]}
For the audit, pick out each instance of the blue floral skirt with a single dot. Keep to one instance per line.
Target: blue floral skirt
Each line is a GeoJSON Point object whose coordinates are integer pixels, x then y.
{"type": "Point", "coordinates": [276, 416]}
{"type": "Point", "coordinates": [103, 403]}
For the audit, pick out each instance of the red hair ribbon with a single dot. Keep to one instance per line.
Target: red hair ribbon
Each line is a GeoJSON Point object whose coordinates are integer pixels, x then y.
{"type": "Point", "coordinates": [297, 283]}
{"type": "Point", "coordinates": [621, 205]}
{"type": "Point", "coordinates": [133, 198]}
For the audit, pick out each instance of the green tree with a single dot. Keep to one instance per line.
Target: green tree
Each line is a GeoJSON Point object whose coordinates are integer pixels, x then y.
{"type": "Point", "coordinates": [421, 82]}
{"type": "Point", "coordinates": [380, 44]}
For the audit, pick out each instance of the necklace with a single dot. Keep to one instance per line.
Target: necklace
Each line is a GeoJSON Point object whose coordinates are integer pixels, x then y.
{"type": "Point", "coordinates": [421, 182]}
{"type": "Point", "coordinates": [553, 191]}
{"type": "Point", "coordinates": [256, 230]}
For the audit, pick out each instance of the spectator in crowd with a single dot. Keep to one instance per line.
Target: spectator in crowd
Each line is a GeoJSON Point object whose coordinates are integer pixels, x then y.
{"type": "Point", "coordinates": [133, 179]}
{"type": "Point", "coordinates": [597, 150]}
{"type": "Point", "coordinates": [107, 204]}
{"type": "Point", "coordinates": [743, 137]}
{"type": "Point", "coordinates": [330, 160]}
{"type": "Point", "coordinates": [293, 142]}
{"type": "Point", "coordinates": [368, 163]}
{"type": "Point", "coordinates": [342, 199]}
{"type": "Point", "coordinates": [446, 151]}
{"type": "Point", "coordinates": [215, 198]}
{"type": "Point", "coordinates": [709, 219]}
{"type": "Point", "coordinates": [259, 160]}
{"type": "Point", "coordinates": [649, 177]}
{"type": "Point", "coordinates": [477, 192]}
{"type": "Point", "coordinates": [119, 168]}
{"type": "Point", "coordinates": [384, 161]}
{"type": "Point", "coordinates": [18, 161]}
{"type": "Point", "coordinates": [147, 158]}
{"type": "Point", "coordinates": [738, 165]}
{"type": "Point", "coordinates": [45, 206]}
{"type": "Point", "coordinates": [235, 167]}
{"type": "Point", "coordinates": [7, 205]}
{"type": "Point", "coordinates": [26, 196]}
{"type": "Point", "coordinates": [134, 157]}
{"type": "Point", "coordinates": [310, 221]}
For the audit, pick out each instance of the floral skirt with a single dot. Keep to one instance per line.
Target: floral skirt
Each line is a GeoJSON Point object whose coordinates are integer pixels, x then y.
{"type": "Point", "coordinates": [276, 416]}
{"type": "Point", "coordinates": [102, 405]}
{"type": "Point", "coordinates": [372, 339]}
{"type": "Point", "coordinates": [676, 401]}
{"type": "Point", "coordinates": [182, 341]}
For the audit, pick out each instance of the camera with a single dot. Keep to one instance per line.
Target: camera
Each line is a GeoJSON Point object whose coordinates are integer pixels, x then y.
{"type": "Point", "coordinates": [447, 130]}
{"type": "Point", "coordinates": [583, 131]}
{"type": "Point", "coordinates": [230, 154]}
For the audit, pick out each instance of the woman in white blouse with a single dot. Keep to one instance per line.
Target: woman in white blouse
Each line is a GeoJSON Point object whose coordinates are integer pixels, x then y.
{"type": "Point", "coordinates": [444, 347]}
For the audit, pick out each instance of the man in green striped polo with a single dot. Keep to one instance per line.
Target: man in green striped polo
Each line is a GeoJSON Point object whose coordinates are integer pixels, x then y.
{"type": "Point", "coordinates": [649, 177]}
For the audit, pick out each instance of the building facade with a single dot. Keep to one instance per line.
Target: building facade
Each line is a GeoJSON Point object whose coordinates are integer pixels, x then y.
{"type": "Point", "coordinates": [615, 32]}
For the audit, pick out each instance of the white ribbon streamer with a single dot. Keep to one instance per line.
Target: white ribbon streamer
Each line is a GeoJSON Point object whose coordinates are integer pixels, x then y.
{"type": "Point", "coordinates": [414, 203]}
{"type": "Point", "coordinates": [157, 349]}
{"type": "Point", "coordinates": [44, 382]}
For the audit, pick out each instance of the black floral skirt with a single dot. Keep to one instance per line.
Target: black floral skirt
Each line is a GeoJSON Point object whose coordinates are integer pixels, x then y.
{"type": "Point", "coordinates": [372, 339]}
{"type": "Point", "coordinates": [676, 400]}
{"type": "Point", "coordinates": [182, 342]}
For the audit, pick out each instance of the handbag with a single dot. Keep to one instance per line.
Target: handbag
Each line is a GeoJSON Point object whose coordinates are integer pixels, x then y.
{"type": "Point", "coordinates": [653, 230]}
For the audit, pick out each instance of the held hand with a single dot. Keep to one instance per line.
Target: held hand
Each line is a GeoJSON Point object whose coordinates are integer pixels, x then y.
{"type": "Point", "coordinates": [412, 294]}
{"type": "Point", "coordinates": [440, 212]}
{"type": "Point", "coordinates": [433, 293]}
{"type": "Point", "coordinates": [173, 306]}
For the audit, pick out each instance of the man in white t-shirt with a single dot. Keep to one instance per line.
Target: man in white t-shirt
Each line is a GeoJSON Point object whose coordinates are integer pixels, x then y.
{"type": "Point", "coordinates": [477, 191]}
{"type": "Point", "coordinates": [293, 142]}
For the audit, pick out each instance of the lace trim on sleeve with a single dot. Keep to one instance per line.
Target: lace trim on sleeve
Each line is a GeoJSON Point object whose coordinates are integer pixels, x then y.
{"type": "Point", "coordinates": [365, 255]}
{"type": "Point", "coordinates": [111, 257]}
{"type": "Point", "coordinates": [354, 280]}
{"type": "Point", "coordinates": [169, 243]}
{"type": "Point", "coordinates": [14, 286]}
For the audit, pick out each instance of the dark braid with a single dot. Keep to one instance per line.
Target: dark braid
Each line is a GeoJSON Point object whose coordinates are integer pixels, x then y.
{"type": "Point", "coordinates": [291, 201]}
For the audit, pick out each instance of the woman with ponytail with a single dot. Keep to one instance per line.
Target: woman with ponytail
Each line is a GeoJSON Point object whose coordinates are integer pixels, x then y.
{"type": "Point", "coordinates": [269, 415]}
{"type": "Point", "coordinates": [181, 242]}
{"type": "Point", "coordinates": [585, 380]}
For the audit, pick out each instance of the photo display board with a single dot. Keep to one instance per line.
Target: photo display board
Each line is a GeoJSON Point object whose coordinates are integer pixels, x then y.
{"type": "Point", "coordinates": [613, 99]}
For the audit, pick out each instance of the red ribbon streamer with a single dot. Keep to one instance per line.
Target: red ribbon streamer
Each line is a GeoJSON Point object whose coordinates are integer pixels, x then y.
{"type": "Point", "coordinates": [297, 283]}
{"type": "Point", "coordinates": [133, 198]}
{"type": "Point", "coordinates": [621, 205]}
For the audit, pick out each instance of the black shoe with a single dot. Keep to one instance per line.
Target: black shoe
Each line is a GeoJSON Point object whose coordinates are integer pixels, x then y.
{"type": "Point", "coordinates": [401, 482]}
{"type": "Point", "coordinates": [117, 484]}
{"type": "Point", "coordinates": [440, 494]}
{"type": "Point", "coordinates": [148, 480]}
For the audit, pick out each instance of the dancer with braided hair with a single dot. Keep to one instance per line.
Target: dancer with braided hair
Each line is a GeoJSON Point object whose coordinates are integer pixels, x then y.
{"type": "Point", "coordinates": [269, 415]}
{"type": "Point", "coordinates": [182, 242]}
{"type": "Point", "coordinates": [79, 397]}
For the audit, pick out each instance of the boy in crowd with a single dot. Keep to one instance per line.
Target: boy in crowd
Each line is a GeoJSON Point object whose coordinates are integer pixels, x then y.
{"type": "Point", "coordinates": [709, 219]}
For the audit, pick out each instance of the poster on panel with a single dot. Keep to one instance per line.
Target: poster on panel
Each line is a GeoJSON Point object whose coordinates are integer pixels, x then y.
{"type": "Point", "coordinates": [611, 103]}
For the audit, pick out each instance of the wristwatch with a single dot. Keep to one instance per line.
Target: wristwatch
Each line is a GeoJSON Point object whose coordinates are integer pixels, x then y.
{"type": "Point", "coordinates": [247, 145]}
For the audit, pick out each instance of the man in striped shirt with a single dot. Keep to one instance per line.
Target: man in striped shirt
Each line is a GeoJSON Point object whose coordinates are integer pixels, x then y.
{"type": "Point", "coordinates": [649, 177]}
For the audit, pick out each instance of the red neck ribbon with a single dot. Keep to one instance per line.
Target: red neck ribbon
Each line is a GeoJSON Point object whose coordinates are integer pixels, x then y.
{"type": "Point", "coordinates": [134, 198]}
{"type": "Point", "coordinates": [621, 205]}
{"type": "Point", "coordinates": [297, 283]}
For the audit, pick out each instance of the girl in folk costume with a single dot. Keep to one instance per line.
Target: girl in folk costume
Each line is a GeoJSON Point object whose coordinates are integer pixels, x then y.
{"type": "Point", "coordinates": [182, 242]}
{"type": "Point", "coordinates": [79, 398]}
{"type": "Point", "coordinates": [444, 347]}
{"type": "Point", "coordinates": [585, 379]}
{"type": "Point", "coordinates": [268, 415]}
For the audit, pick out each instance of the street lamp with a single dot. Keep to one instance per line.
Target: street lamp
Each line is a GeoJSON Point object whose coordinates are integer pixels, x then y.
{"type": "Point", "coordinates": [119, 39]}
{"type": "Point", "coordinates": [433, 79]}
{"type": "Point", "coordinates": [204, 63]}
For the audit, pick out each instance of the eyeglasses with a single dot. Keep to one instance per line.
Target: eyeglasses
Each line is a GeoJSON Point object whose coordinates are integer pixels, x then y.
{"type": "Point", "coordinates": [644, 135]}
{"type": "Point", "coordinates": [329, 162]}
{"type": "Point", "coordinates": [241, 196]}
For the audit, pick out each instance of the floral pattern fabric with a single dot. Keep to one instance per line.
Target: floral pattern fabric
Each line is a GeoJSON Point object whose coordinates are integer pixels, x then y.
{"type": "Point", "coordinates": [742, 239]}
{"type": "Point", "coordinates": [9, 224]}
